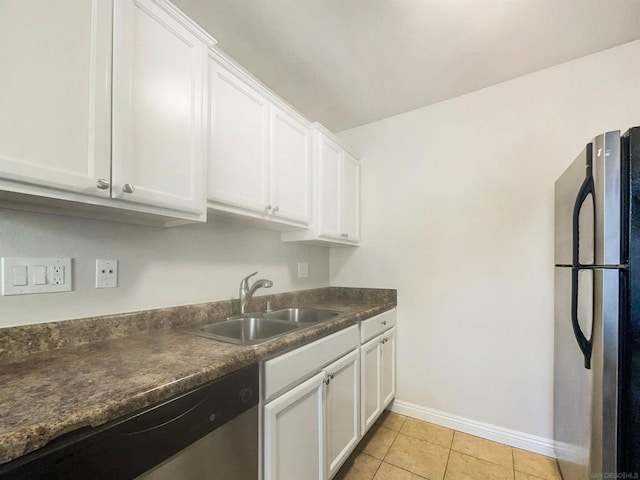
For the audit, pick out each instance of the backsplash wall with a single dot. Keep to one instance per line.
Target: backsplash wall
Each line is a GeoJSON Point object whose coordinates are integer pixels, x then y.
{"type": "Point", "coordinates": [157, 267]}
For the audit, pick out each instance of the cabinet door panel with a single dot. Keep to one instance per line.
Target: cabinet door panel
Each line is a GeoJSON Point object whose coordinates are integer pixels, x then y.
{"type": "Point", "coordinates": [370, 358]}
{"type": "Point", "coordinates": [329, 183]}
{"type": "Point", "coordinates": [293, 433]}
{"type": "Point", "coordinates": [342, 409]}
{"type": "Point", "coordinates": [290, 161]}
{"type": "Point", "coordinates": [350, 197]}
{"type": "Point", "coordinates": [238, 143]}
{"type": "Point", "coordinates": [159, 69]}
{"type": "Point", "coordinates": [55, 101]}
{"type": "Point", "coordinates": [388, 354]}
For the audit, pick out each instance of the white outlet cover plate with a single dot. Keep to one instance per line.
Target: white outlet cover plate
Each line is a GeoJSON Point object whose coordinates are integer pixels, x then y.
{"type": "Point", "coordinates": [106, 273]}
{"type": "Point", "coordinates": [61, 265]}
{"type": "Point", "coordinates": [303, 270]}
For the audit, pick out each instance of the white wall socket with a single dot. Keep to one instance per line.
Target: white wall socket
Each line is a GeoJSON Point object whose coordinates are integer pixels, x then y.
{"type": "Point", "coordinates": [21, 276]}
{"type": "Point", "coordinates": [303, 270]}
{"type": "Point", "coordinates": [106, 273]}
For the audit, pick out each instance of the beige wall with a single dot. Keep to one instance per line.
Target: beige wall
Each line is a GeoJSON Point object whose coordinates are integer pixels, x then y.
{"type": "Point", "coordinates": [158, 267]}
{"type": "Point", "coordinates": [458, 215]}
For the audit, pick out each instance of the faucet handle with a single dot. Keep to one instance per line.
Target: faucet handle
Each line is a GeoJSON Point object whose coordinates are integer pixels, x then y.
{"type": "Point", "coordinates": [245, 281]}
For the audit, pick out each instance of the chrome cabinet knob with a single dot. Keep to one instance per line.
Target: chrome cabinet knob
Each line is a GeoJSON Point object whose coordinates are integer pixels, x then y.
{"type": "Point", "coordinates": [276, 209]}
{"type": "Point", "coordinates": [103, 184]}
{"type": "Point", "coordinates": [268, 207]}
{"type": "Point", "coordinates": [384, 322]}
{"type": "Point", "coordinates": [128, 188]}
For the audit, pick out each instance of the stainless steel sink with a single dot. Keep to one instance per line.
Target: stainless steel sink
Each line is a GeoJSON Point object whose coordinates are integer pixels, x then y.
{"type": "Point", "coordinates": [254, 328]}
{"type": "Point", "coordinates": [244, 330]}
{"type": "Point", "coordinates": [302, 315]}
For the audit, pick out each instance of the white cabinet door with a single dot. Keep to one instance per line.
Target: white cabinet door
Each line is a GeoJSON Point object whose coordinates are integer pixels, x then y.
{"type": "Point", "coordinates": [238, 142]}
{"type": "Point", "coordinates": [388, 372]}
{"type": "Point", "coordinates": [159, 71]}
{"type": "Point", "coordinates": [329, 181]}
{"type": "Point", "coordinates": [293, 433]}
{"type": "Point", "coordinates": [55, 101]}
{"type": "Point", "coordinates": [342, 409]}
{"type": "Point", "coordinates": [290, 166]}
{"type": "Point", "coordinates": [370, 390]}
{"type": "Point", "coordinates": [350, 198]}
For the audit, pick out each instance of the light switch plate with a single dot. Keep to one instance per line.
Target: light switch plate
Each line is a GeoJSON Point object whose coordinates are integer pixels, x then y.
{"type": "Point", "coordinates": [56, 272]}
{"type": "Point", "coordinates": [106, 273]}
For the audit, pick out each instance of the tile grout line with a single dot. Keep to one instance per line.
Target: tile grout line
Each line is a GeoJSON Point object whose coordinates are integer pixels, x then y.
{"type": "Point", "coordinates": [513, 463]}
{"type": "Point", "coordinates": [385, 455]}
{"type": "Point", "coordinates": [446, 466]}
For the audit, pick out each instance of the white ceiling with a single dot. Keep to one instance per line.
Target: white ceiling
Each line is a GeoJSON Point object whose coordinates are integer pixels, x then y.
{"type": "Point", "coordinates": [350, 62]}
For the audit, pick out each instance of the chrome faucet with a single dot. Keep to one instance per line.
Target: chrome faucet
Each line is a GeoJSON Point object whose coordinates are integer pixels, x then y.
{"type": "Point", "coordinates": [246, 291]}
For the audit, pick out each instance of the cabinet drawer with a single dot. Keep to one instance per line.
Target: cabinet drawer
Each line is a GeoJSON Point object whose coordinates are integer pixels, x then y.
{"type": "Point", "coordinates": [287, 370]}
{"type": "Point", "coordinates": [376, 325]}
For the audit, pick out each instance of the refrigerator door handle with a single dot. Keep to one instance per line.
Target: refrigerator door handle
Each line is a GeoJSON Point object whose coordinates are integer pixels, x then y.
{"type": "Point", "coordinates": [586, 346]}
{"type": "Point", "coordinates": [587, 188]}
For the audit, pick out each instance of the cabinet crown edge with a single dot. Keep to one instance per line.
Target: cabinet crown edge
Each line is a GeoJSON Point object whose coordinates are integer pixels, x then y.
{"type": "Point", "coordinates": [186, 21]}
{"type": "Point", "coordinates": [320, 128]}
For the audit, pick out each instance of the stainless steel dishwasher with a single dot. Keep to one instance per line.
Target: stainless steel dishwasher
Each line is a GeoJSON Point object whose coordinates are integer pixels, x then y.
{"type": "Point", "coordinates": [208, 433]}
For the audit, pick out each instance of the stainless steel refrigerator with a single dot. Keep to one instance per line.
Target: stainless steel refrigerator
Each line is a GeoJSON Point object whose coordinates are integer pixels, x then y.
{"type": "Point", "coordinates": [597, 310]}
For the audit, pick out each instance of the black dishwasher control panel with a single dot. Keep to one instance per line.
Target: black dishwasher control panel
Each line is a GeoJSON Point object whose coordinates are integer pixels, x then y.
{"type": "Point", "coordinates": [127, 447]}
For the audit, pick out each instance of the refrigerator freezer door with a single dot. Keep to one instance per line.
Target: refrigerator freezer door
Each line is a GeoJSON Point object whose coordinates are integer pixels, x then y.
{"type": "Point", "coordinates": [572, 400]}
{"type": "Point", "coordinates": [574, 213]}
{"type": "Point", "coordinates": [607, 178]}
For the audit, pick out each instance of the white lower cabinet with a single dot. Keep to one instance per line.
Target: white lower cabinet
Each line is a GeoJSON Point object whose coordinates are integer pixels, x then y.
{"type": "Point", "coordinates": [320, 399]}
{"type": "Point", "coordinates": [293, 433]}
{"type": "Point", "coordinates": [311, 430]}
{"type": "Point", "coordinates": [378, 376]}
{"type": "Point", "coordinates": [388, 367]}
{"type": "Point", "coordinates": [342, 401]}
{"type": "Point", "coordinates": [370, 354]}
{"type": "Point", "coordinates": [311, 426]}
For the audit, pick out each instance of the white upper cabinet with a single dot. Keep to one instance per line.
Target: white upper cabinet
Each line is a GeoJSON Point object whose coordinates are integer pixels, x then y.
{"type": "Point", "coordinates": [329, 179]}
{"type": "Point", "coordinates": [159, 94]}
{"type": "Point", "coordinates": [259, 151]}
{"type": "Point", "coordinates": [238, 142]}
{"type": "Point", "coordinates": [336, 215]}
{"type": "Point", "coordinates": [290, 148]}
{"type": "Point", "coordinates": [55, 95]}
{"type": "Point", "coordinates": [350, 197]}
{"type": "Point", "coordinates": [103, 102]}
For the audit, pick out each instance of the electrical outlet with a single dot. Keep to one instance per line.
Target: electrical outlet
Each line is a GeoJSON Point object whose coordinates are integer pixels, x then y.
{"type": "Point", "coordinates": [106, 273]}
{"type": "Point", "coordinates": [57, 275]}
{"type": "Point", "coordinates": [303, 270]}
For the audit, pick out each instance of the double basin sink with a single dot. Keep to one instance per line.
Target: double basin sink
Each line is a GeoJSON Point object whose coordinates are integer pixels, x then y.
{"type": "Point", "coordinates": [254, 328]}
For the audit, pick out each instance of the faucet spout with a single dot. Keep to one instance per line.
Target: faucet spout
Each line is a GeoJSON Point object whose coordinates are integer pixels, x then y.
{"type": "Point", "coordinates": [246, 291]}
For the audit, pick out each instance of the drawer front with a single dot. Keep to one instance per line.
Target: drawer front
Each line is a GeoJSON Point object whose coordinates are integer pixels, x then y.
{"type": "Point", "coordinates": [288, 370]}
{"type": "Point", "coordinates": [376, 325]}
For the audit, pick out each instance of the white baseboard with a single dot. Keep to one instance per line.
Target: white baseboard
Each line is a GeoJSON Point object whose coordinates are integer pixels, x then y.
{"type": "Point", "coordinates": [507, 436]}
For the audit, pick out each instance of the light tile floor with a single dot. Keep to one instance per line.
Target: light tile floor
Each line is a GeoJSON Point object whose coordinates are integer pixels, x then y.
{"type": "Point", "coordinates": [403, 448]}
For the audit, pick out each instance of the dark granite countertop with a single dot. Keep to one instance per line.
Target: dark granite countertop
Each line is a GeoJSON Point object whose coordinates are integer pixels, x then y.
{"type": "Point", "coordinates": [48, 392]}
